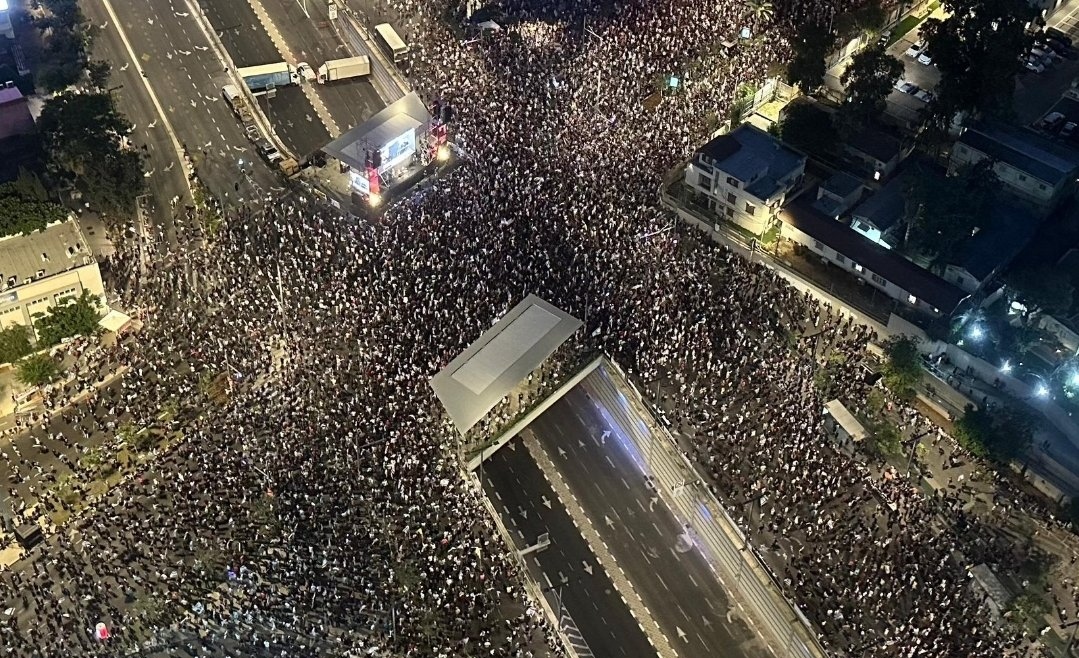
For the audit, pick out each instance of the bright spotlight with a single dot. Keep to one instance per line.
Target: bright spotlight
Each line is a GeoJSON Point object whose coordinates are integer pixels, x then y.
{"type": "Point", "coordinates": [976, 333]}
{"type": "Point", "coordinates": [1073, 381]}
{"type": "Point", "coordinates": [374, 199]}
{"type": "Point", "coordinates": [1041, 391]}
{"type": "Point", "coordinates": [443, 153]}
{"type": "Point", "coordinates": [1006, 367]}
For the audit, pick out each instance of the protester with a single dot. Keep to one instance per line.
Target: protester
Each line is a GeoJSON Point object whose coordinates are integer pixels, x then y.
{"type": "Point", "coordinates": [313, 504]}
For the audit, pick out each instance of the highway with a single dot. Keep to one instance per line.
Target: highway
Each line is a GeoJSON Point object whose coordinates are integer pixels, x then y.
{"type": "Point", "coordinates": [249, 44]}
{"type": "Point", "coordinates": [168, 178]}
{"type": "Point", "coordinates": [187, 78]}
{"type": "Point", "coordinates": [529, 507]}
{"type": "Point", "coordinates": [607, 475]}
{"type": "Point", "coordinates": [314, 40]}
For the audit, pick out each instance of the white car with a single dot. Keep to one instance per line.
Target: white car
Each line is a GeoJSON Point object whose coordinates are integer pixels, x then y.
{"type": "Point", "coordinates": [1068, 129]}
{"type": "Point", "coordinates": [305, 71]}
{"type": "Point", "coordinates": [916, 49]}
{"type": "Point", "coordinates": [925, 59]}
{"type": "Point", "coordinates": [906, 87]}
{"type": "Point", "coordinates": [924, 95]}
{"type": "Point", "coordinates": [1033, 66]}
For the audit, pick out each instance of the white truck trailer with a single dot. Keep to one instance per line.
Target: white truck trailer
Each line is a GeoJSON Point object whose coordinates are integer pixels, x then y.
{"type": "Point", "coordinates": [343, 69]}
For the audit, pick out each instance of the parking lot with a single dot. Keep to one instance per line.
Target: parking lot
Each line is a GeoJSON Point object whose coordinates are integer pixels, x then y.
{"type": "Point", "coordinates": [905, 107]}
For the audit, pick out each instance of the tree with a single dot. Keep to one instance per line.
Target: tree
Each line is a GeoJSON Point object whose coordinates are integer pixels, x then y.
{"type": "Point", "coordinates": [977, 49]}
{"type": "Point", "coordinates": [811, 45]}
{"type": "Point", "coordinates": [761, 10]}
{"type": "Point", "coordinates": [37, 370]}
{"type": "Point", "coordinates": [99, 71]}
{"type": "Point", "coordinates": [82, 135]}
{"type": "Point", "coordinates": [942, 212]}
{"type": "Point", "coordinates": [902, 366]}
{"type": "Point", "coordinates": [62, 59]}
{"type": "Point", "coordinates": [868, 80]}
{"type": "Point", "coordinates": [21, 211]}
{"type": "Point", "coordinates": [868, 19]}
{"type": "Point", "coordinates": [809, 128]}
{"type": "Point", "coordinates": [75, 318]}
{"type": "Point", "coordinates": [1043, 288]}
{"type": "Point", "coordinates": [741, 105]}
{"type": "Point", "coordinates": [14, 343]}
{"type": "Point", "coordinates": [972, 431]}
{"type": "Point", "coordinates": [1002, 437]}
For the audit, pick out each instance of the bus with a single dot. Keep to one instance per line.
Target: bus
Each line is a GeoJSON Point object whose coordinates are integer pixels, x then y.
{"type": "Point", "coordinates": [393, 44]}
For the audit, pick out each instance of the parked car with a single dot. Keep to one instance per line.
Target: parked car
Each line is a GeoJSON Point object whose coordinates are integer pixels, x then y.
{"type": "Point", "coordinates": [924, 95]}
{"type": "Point", "coordinates": [1034, 66]}
{"type": "Point", "coordinates": [916, 49]}
{"type": "Point", "coordinates": [925, 59]}
{"type": "Point", "coordinates": [1057, 35]}
{"type": "Point", "coordinates": [1050, 121]}
{"type": "Point", "coordinates": [1068, 129]}
{"type": "Point", "coordinates": [906, 87]}
{"type": "Point", "coordinates": [1045, 56]}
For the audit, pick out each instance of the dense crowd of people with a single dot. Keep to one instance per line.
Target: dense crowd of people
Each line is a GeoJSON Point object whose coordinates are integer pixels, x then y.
{"type": "Point", "coordinates": [313, 504]}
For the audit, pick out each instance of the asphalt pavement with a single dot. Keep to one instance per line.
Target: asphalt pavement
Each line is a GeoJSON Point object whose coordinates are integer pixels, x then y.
{"type": "Point", "coordinates": [248, 44]}
{"type": "Point", "coordinates": [607, 475]}
{"type": "Point", "coordinates": [168, 178]}
{"type": "Point", "coordinates": [187, 78]}
{"type": "Point", "coordinates": [567, 570]}
{"type": "Point", "coordinates": [314, 40]}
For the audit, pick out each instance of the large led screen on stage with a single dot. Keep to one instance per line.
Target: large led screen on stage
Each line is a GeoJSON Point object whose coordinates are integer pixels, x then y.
{"type": "Point", "coordinates": [397, 150]}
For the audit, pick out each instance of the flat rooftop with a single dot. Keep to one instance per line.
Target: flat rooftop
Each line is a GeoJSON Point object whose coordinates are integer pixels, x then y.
{"type": "Point", "coordinates": [52, 250]}
{"type": "Point", "coordinates": [474, 382]}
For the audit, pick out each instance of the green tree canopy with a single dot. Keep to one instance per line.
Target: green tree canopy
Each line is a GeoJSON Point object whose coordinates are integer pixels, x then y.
{"type": "Point", "coordinates": [942, 212]}
{"type": "Point", "coordinates": [76, 318]}
{"type": "Point", "coordinates": [1042, 288]}
{"type": "Point", "coordinates": [811, 45]}
{"type": "Point", "coordinates": [1003, 435]}
{"type": "Point", "coordinates": [22, 210]}
{"type": "Point", "coordinates": [99, 71]}
{"type": "Point", "coordinates": [37, 370]}
{"type": "Point", "coordinates": [83, 134]}
{"type": "Point", "coordinates": [977, 50]}
{"type": "Point", "coordinates": [14, 343]}
{"type": "Point", "coordinates": [869, 19]}
{"type": "Point", "coordinates": [903, 366]}
{"type": "Point", "coordinates": [809, 128]}
{"type": "Point", "coordinates": [868, 80]}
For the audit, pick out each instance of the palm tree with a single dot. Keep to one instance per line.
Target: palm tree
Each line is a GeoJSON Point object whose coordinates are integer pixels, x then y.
{"type": "Point", "coordinates": [762, 10]}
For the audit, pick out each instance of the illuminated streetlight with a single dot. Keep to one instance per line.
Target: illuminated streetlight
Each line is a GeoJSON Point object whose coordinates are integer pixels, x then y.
{"type": "Point", "coordinates": [976, 333]}
{"type": "Point", "coordinates": [374, 199]}
{"type": "Point", "coordinates": [1041, 391]}
{"type": "Point", "coordinates": [1006, 367]}
{"type": "Point", "coordinates": [443, 153]}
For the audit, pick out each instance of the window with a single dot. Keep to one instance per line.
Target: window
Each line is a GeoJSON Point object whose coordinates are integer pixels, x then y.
{"type": "Point", "coordinates": [731, 198]}
{"type": "Point", "coordinates": [733, 182]}
{"type": "Point", "coordinates": [879, 280]}
{"type": "Point", "coordinates": [912, 300]}
{"type": "Point", "coordinates": [857, 267]}
{"type": "Point", "coordinates": [840, 258]}
{"type": "Point", "coordinates": [706, 182]}
{"type": "Point", "coordinates": [817, 245]}
{"type": "Point", "coordinates": [1041, 186]}
{"type": "Point", "coordinates": [1022, 178]}
{"type": "Point", "coordinates": [750, 209]}
{"type": "Point", "coordinates": [960, 280]}
{"type": "Point", "coordinates": [962, 149]}
{"type": "Point", "coordinates": [730, 211]}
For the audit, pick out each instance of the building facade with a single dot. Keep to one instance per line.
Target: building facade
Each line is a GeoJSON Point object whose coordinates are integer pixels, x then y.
{"type": "Point", "coordinates": [1035, 171]}
{"type": "Point", "coordinates": [744, 177]}
{"type": "Point", "coordinates": [39, 270]}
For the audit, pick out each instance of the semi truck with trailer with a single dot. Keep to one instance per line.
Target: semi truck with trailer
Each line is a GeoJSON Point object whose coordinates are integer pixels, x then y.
{"type": "Point", "coordinates": [343, 69]}
{"type": "Point", "coordinates": [258, 78]}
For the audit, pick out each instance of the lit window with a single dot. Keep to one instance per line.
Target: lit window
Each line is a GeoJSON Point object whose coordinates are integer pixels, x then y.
{"type": "Point", "coordinates": [912, 300]}
{"type": "Point", "coordinates": [858, 268]}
